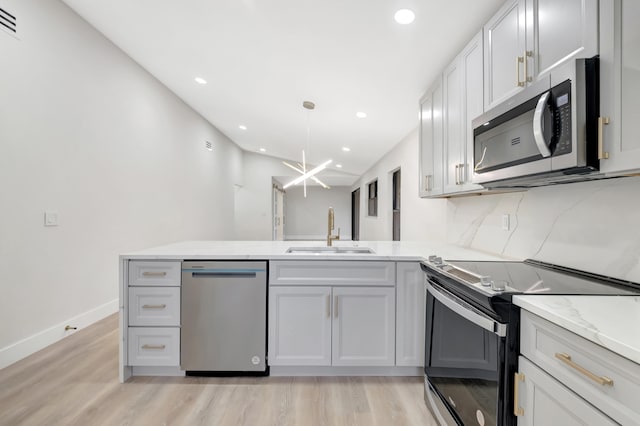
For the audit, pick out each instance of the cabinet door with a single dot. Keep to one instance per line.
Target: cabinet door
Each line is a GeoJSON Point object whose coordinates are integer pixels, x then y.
{"type": "Point", "coordinates": [473, 106]}
{"type": "Point", "coordinates": [558, 31]}
{"type": "Point", "coordinates": [431, 141]}
{"type": "Point", "coordinates": [410, 315]}
{"type": "Point", "coordinates": [504, 44]}
{"type": "Point", "coordinates": [620, 84]}
{"type": "Point", "coordinates": [363, 330]}
{"type": "Point", "coordinates": [299, 325]}
{"type": "Point", "coordinates": [546, 402]}
{"type": "Point", "coordinates": [453, 144]}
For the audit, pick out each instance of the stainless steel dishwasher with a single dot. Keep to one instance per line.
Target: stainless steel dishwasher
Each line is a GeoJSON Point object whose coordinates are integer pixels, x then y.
{"type": "Point", "coordinates": [224, 317]}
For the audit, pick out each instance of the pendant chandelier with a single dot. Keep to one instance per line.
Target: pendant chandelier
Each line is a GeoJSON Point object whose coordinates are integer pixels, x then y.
{"type": "Point", "coordinates": [302, 168]}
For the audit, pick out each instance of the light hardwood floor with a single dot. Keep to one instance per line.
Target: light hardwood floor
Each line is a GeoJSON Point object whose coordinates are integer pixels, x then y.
{"type": "Point", "coordinates": [75, 382]}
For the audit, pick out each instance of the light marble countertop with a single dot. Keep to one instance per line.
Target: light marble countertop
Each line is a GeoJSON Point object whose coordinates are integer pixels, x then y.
{"type": "Point", "coordinates": [610, 321]}
{"type": "Point", "coordinates": [276, 250]}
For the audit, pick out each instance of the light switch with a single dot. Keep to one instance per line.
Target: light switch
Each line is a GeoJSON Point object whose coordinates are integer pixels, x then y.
{"type": "Point", "coordinates": [50, 218]}
{"type": "Point", "coordinates": [505, 222]}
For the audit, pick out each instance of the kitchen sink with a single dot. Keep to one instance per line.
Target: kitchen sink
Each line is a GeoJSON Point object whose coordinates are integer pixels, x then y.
{"type": "Point", "coordinates": [330, 250]}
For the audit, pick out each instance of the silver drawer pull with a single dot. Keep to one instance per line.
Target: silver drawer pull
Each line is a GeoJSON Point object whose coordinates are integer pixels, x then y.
{"type": "Point", "coordinates": [154, 274]}
{"type": "Point", "coordinates": [601, 380]}
{"type": "Point", "coordinates": [160, 347]}
{"type": "Point", "coordinates": [154, 306]}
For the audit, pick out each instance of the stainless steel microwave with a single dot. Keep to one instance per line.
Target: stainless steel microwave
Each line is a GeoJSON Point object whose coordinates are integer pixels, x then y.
{"type": "Point", "coordinates": [546, 134]}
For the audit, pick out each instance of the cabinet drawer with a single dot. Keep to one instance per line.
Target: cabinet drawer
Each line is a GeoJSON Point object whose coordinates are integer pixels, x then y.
{"type": "Point", "coordinates": [545, 344]}
{"type": "Point", "coordinates": [318, 272]}
{"type": "Point", "coordinates": [154, 346]}
{"type": "Point", "coordinates": [155, 273]}
{"type": "Point", "coordinates": [155, 306]}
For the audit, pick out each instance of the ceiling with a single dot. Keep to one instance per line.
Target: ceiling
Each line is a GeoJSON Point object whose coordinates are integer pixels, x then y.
{"type": "Point", "coordinates": [261, 59]}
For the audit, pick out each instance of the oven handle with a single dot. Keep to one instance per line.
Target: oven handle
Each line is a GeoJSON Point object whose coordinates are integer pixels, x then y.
{"type": "Point", "coordinates": [467, 311]}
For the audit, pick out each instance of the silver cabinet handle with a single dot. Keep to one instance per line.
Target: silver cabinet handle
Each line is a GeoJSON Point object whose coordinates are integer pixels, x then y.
{"type": "Point", "coordinates": [517, 378]}
{"type": "Point", "coordinates": [467, 311]}
{"type": "Point", "coordinates": [457, 174]}
{"type": "Point", "coordinates": [427, 183]}
{"type": "Point", "coordinates": [335, 306]}
{"type": "Point", "coordinates": [328, 306]}
{"type": "Point", "coordinates": [154, 274]}
{"type": "Point", "coordinates": [160, 347]}
{"type": "Point", "coordinates": [538, 118]}
{"type": "Point", "coordinates": [154, 306]}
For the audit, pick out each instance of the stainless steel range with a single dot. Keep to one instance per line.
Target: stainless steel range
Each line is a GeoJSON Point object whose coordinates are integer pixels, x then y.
{"type": "Point", "coordinates": [472, 331]}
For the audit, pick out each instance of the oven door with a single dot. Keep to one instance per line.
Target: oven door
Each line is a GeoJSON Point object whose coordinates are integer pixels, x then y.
{"type": "Point", "coordinates": [464, 361]}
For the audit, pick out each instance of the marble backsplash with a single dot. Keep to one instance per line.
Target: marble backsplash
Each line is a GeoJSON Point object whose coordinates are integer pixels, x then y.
{"type": "Point", "coordinates": [591, 226]}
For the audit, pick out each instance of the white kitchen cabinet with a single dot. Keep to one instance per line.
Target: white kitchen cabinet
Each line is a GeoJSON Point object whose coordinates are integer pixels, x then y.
{"type": "Point", "coordinates": [463, 101]}
{"type": "Point", "coordinates": [154, 346]}
{"type": "Point", "coordinates": [431, 141]}
{"type": "Point", "coordinates": [620, 85]}
{"type": "Point", "coordinates": [599, 376]}
{"type": "Point", "coordinates": [504, 44]}
{"type": "Point", "coordinates": [527, 39]}
{"type": "Point", "coordinates": [299, 325]}
{"type": "Point", "coordinates": [410, 314]}
{"type": "Point", "coordinates": [328, 272]}
{"type": "Point", "coordinates": [154, 306]}
{"type": "Point", "coordinates": [363, 330]}
{"type": "Point", "coordinates": [546, 402]}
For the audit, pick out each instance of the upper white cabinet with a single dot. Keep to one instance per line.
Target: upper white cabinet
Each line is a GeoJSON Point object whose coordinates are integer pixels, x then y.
{"type": "Point", "coordinates": [463, 101]}
{"type": "Point", "coordinates": [431, 141]}
{"type": "Point", "coordinates": [527, 39]}
{"type": "Point", "coordinates": [504, 39]}
{"type": "Point", "coordinates": [620, 85]}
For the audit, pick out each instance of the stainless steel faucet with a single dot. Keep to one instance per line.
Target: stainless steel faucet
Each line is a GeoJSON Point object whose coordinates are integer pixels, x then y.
{"type": "Point", "coordinates": [330, 226]}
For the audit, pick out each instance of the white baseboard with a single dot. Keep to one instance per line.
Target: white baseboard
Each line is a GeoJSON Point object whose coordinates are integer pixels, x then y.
{"type": "Point", "coordinates": [25, 347]}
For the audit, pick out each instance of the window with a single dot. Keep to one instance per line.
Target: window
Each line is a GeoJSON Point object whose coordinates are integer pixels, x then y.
{"type": "Point", "coordinates": [373, 198]}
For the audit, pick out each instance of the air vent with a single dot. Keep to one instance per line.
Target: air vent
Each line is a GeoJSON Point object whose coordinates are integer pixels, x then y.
{"type": "Point", "coordinates": [515, 141]}
{"type": "Point", "coordinates": [208, 145]}
{"type": "Point", "coordinates": [8, 22]}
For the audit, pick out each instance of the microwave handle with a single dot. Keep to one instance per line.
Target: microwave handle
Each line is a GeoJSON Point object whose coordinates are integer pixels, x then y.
{"type": "Point", "coordinates": [538, 131]}
{"type": "Point", "coordinates": [467, 312]}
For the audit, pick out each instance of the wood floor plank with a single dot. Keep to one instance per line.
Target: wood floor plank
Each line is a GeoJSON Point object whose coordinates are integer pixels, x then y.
{"type": "Point", "coordinates": [75, 382]}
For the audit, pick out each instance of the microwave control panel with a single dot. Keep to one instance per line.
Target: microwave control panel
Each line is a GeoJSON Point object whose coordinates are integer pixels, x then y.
{"type": "Point", "coordinates": [561, 107]}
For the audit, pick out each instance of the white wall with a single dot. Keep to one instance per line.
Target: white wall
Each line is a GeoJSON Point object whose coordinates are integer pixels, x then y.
{"type": "Point", "coordinates": [88, 133]}
{"type": "Point", "coordinates": [306, 218]}
{"type": "Point", "coordinates": [254, 199]}
{"type": "Point", "coordinates": [419, 218]}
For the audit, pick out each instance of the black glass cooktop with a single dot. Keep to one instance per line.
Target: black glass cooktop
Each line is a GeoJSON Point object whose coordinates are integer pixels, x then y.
{"type": "Point", "coordinates": [532, 277]}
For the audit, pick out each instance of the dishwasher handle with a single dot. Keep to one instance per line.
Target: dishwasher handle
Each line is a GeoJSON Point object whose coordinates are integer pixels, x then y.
{"type": "Point", "coordinates": [223, 273]}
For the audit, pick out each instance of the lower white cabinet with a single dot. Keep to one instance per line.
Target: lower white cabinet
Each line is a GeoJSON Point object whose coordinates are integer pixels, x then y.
{"type": "Point", "coordinates": [154, 346]}
{"type": "Point", "coordinates": [340, 326]}
{"type": "Point", "coordinates": [410, 319]}
{"type": "Point", "coordinates": [363, 329]}
{"type": "Point", "coordinates": [546, 402]}
{"type": "Point", "coordinates": [299, 325]}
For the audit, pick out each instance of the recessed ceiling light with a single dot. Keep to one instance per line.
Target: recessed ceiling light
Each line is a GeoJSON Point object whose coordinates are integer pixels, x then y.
{"type": "Point", "coordinates": [404, 16]}
{"type": "Point", "coordinates": [242, 127]}
{"type": "Point", "coordinates": [200, 80]}
{"type": "Point", "coordinates": [361, 114]}
{"type": "Point", "coordinates": [345, 149]}
{"type": "Point", "coordinates": [263, 150]}
{"type": "Point", "coordinates": [339, 166]}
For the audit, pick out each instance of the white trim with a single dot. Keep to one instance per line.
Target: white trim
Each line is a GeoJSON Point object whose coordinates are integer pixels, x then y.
{"type": "Point", "coordinates": [25, 347]}
{"type": "Point", "coordinates": [345, 371]}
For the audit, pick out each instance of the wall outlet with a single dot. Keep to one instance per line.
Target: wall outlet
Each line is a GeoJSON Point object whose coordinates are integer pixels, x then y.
{"type": "Point", "coordinates": [50, 218]}
{"type": "Point", "coordinates": [506, 222]}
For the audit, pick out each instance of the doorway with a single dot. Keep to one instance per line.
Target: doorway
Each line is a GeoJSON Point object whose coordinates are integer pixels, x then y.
{"type": "Point", "coordinates": [278, 213]}
{"type": "Point", "coordinates": [396, 205]}
{"type": "Point", "coordinates": [355, 215]}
